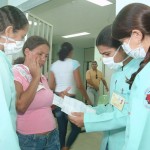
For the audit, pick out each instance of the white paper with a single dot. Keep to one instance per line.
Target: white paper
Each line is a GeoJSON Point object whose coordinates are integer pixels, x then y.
{"type": "Point", "coordinates": [58, 101]}
{"type": "Point", "coordinates": [70, 105]}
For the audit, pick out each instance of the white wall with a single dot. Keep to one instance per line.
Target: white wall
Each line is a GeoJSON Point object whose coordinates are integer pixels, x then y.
{"type": "Point", "coordinates": [121, 3]}
{"type": "Point", "coordinates": [3, 3]}
{"type": "Point", "coordinates": [16, 2]}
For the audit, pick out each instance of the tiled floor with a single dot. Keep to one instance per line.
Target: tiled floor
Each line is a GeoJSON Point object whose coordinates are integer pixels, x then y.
{"type": "Point", "coordinates": [87, 141]}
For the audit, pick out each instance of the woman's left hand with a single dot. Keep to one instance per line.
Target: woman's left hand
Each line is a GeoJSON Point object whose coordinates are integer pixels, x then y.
{"type": "Point", "coordinates": [77, 118]}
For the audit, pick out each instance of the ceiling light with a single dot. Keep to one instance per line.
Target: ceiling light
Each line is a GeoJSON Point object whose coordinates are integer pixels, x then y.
{"type": "Point", "coordinates": [100, 2]}
{"type": "Point", "coordinates": [35, 23]}
{"type": "Point", "coordinates": [30, 22]}
{"type": "Point", "coordinates": [74, 35]}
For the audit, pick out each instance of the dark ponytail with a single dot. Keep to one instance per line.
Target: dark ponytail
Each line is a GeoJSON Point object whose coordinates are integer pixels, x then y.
{"type": "Point", "coordinates": [19, 60]}
{"type": "Point", "coordinates": [142, 65]}
{"type": "Point", "coordinates": [64, 51]}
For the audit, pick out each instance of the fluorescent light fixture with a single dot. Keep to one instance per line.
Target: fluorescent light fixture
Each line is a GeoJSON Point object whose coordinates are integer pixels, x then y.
{"type": "Point", "coordinates": [35, 23]}
{"type": "Point", "coordinates": [100, 2]}
{"type": "Point", "coordinates": [74, 35]}
{"type": "Point", "coordinates": [30, 22]}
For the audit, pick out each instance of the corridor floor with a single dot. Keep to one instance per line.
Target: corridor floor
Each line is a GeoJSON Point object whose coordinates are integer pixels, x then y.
{"type": "Point", "coordinates": [87, 141]}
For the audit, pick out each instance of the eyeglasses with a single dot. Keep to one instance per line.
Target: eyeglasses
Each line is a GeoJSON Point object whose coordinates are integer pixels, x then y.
{"type": "Point", "coordinates": [96, 76]}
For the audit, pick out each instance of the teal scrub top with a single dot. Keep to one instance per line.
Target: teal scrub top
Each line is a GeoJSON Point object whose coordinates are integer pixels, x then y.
{"type": "Point", "coordinates": [113, 121]}
{"type": "Point", "coordinates": [138, 123]}
{"type": "Point", "coordinates": [8, 137]}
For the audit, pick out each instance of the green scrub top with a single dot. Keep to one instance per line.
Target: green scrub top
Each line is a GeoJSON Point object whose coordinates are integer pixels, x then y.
{"type": "Point", "coordinates": [8, 137]}
{"type": "Point", "coordinates": [113, 121]}
{"type": "Point", "coordinates": [138, 123]}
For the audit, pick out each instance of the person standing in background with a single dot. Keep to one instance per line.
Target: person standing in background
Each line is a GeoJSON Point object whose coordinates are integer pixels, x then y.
{"type": "Point", "coordinates": [93, 78]}
{"type": "Point", "coordinates": [65, 73]}
{"type": "Point", "coordinates": [13, 28]}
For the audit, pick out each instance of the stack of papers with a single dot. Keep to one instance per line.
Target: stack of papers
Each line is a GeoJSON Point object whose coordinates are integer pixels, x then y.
{"type": "Point", "coordinates": [69, 105]}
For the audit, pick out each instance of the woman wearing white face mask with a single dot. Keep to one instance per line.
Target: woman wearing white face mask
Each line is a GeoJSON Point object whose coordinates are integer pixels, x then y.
{"type": "Point", "coordinates": [132, 26]}
{"type": "Point", "coordinates": [138, 52]}
{"type": "Point", "coordinates": [110, 60]}
{"type": "Point", "coordinates": [12, 46]}
{"type": "Point", "coordinates": [13, 26]}
{"type": "Point", "coordinates": [111, 118]}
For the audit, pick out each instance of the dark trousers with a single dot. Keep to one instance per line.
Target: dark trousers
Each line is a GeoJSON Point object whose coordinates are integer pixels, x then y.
{"type": "Point", "coordinates": [62, 120]}
{"type": "Point", "coordinates": [107, 146]}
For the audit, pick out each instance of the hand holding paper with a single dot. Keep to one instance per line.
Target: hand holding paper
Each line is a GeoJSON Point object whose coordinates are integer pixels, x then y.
{"type": "Point", "coordinates": [77, 118]}
{"type": "Point", "coordinates": [69, 105]}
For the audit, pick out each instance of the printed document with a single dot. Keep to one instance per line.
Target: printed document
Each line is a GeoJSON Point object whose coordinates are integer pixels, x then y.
{"type": "Point", "coordinates": [69, 105]}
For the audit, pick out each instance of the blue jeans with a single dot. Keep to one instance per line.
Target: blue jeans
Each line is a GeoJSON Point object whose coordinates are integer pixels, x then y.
{"type": "Point", "coordinates": [49, 141]}
{"type": "Point", "coordinates": [62, 120]}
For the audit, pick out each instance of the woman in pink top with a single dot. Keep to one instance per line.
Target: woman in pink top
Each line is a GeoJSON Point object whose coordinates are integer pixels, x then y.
{"type": "Point", "coordinates": [36, 126]}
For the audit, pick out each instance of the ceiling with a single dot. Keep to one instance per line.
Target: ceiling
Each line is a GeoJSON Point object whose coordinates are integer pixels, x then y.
{"type": "Point", "coordinates": [74, 16]}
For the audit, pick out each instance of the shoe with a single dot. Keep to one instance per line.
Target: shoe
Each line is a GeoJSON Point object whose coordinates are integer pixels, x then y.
{"type": "Point", "coordinates": [82, 130]}
{"type": "Point", "coordinates": [65, 148]}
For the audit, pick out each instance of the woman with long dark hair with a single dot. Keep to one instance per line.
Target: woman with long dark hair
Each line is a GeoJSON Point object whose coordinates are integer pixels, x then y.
{"type": "Point", "coordinates": [13, 28]}
{"type": "Point", "coordinates": [132, 28]}
{"type": "Point", "coordinates": [111, 118]}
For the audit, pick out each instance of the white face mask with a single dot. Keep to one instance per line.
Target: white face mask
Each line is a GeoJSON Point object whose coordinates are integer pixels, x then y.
{"type": "Point", "coordinates": [12, 48]}
{"type": "Point", "coordinates": [135, 53]}
{"type": "Point", "coordinates": [109, 61]}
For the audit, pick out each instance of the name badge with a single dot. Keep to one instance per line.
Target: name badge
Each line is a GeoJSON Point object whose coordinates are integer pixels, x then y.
{"type": "Point", "coordinates": [117, 101]}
